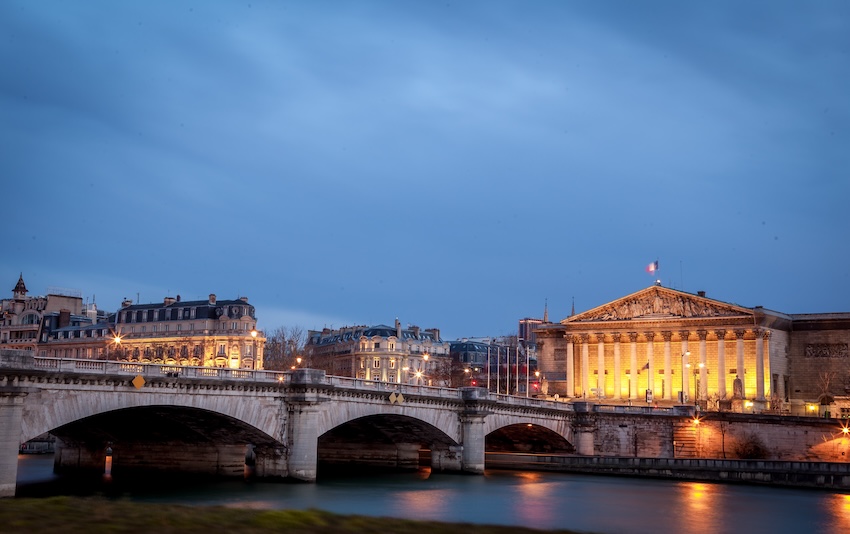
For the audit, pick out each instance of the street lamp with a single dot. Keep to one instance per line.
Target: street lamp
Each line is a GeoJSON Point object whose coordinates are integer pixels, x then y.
{"type": "Point", "coordinates": [117, 341]}
{"type": "Point", "coordinates": [254, 348]}
{"type": "Point", "coordinates": [696, 388]}
{"type": "Point", "coordinates": [683, 394]}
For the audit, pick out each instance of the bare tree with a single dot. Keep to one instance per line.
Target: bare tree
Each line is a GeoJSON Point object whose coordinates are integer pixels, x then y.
{"type": "Point", "coordinates": [284, 346]}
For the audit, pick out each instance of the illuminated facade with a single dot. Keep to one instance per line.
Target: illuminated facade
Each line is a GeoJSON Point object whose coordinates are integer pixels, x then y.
{"type": "Point", "coordinates": [23, 316]}
{"type": "Point", "coordinates": [217, 333]}
{"type": "Point", "coordinates": [382, 353]}
{"type": "Point", "coordinates": [664, 345]}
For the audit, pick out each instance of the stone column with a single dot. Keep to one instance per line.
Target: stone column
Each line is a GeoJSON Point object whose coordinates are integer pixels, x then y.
{"type": "Point", "coordinates": [585, 366]}
{"type": "Point", "coordinates": [571, 367]}
{"type": "Point", "coordinates": [650, 357]}
{"type": "Point", "coordinates": [600, 366]}
{"type": "Point", "coordinates": [668, 370]}
{"type": "Point", "coordinates": [702, 394]}
{"type": "Point", "coordinates": [686, 371]}
{"type": "Point", "coordinates": [617, 369]}
{"type": "Point", "coordinates": [633, 376]}
{"type": "Point", "coordinates": [721, 363]}
{"type": "Point", "coordinates": [11, 416]}
{"type": "Point", "coordinates": [739, 346]}
{"type": "Point", "coordinates": [761, 335]}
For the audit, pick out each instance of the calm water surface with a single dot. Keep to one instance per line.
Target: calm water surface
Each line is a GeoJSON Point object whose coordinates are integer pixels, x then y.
{"type": "Point", "coordinates": [532, 499]}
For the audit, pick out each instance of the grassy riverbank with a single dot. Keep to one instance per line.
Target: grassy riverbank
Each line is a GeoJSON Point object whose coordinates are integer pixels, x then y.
{"type": "Point", "coordinates": [71, 515]}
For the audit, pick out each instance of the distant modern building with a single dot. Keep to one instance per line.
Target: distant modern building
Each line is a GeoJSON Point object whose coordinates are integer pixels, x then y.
{"type": "Point", "coordinates": [381, 353]}
{"type": "Point", "coordinates": [660, 344]}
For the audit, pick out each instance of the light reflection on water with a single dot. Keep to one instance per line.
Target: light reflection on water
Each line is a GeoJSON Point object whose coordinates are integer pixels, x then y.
{"type": "Point", "coordinates": [535, 499]}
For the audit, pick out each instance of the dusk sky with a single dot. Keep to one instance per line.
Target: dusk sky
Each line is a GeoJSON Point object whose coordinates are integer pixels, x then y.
{"type": "Point", "coordinates": [452, 164]}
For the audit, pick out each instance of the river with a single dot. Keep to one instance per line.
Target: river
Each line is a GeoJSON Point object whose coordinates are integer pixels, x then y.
{"type": "Point", "coordinates": [541, 500]}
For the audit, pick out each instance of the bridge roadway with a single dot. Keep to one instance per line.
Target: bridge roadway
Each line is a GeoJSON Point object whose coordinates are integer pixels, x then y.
{"type": "Point", "coordinates": [284, 424]}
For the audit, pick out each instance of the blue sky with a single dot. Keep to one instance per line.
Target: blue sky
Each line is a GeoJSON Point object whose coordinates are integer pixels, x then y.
{"type": "Point", "coordinates": [450, 164]}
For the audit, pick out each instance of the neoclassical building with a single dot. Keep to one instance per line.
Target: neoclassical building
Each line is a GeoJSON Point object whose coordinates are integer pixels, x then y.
{"type": "Point", "coordinates": [664, 345]}
{"type": "Point", "coordinates": [382, 353]}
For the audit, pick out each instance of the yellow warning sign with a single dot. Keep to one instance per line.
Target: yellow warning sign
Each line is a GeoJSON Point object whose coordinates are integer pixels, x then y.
{"type": "Point", "coordinates": [139, 382]}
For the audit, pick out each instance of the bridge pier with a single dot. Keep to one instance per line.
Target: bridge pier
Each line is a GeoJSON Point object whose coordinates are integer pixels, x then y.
{"type": "Point", "coordinates": [472, 429]}
{"type": "Point", "coordinates": [303, 423]}
{"type": "Point", "coordinates": [584, 428]}
{"type": "Point", "coordinates": [11, 416]}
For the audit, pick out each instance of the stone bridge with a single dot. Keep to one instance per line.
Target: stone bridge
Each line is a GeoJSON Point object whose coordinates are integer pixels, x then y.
{"type": "Point", "coordinates": [287, 424]}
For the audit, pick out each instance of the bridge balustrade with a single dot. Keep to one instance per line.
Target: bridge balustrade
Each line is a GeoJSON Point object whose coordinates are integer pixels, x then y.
{"type": "Point", "coordinates": [156, 369]}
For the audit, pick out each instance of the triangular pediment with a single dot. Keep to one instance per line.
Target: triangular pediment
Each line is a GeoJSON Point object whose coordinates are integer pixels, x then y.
{"type": "Point", "coordinates": [659, 302]}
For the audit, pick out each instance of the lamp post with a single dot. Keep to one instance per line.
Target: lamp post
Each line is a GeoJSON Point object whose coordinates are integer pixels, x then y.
{"type": "Point", "coordinates": [685, 365]}
{"type": "Point", "coordinates": [696, 386]}
{"type": "Point", "coordinates": [254, 348]}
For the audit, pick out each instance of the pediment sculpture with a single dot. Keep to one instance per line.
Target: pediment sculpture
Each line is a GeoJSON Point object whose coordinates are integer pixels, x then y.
{"type": "Point", "coordinates": [658, 304]}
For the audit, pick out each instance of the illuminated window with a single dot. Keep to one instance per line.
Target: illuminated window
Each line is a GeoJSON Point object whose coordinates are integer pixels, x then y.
{"type": "Point", "coordinates": [376, 363]}
{"type": "Point", "coordinates": [392, 364]}
{"type": "Point", "coordinates": [222, 349]}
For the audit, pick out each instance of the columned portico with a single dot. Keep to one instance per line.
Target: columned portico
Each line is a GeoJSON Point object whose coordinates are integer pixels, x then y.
{"type": "Point", "coordinates": [617, 369]}
{"type": "Point", "coordinates": [571, 366]}
{"type": "Point", "coordinates": [600, 365]}
{"type": "Point", "coordinates": [668, 369]}
{"type": "Point", "coordinates": [660, 321]}
{"type": "Point", "coordinates": [650, 362]}
{"type": "Point", "coordinates": [702, 393]}
{"type": "Point", "coordinates": [739, 348]}
{"type": "Point", "coordinates": [585, 365]}
{"type": "Point", "coordinates": [721, 363]}
{"type": "Point", "coordinates": [633, 377]}
{"type": "Point", "coordinates": [685, 363]}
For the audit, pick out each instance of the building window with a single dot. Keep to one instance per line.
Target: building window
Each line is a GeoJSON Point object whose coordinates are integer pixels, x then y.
{"type": "Point", "coordinates": [362, 363]}
{"type": "Point", "coordinates": [222, 349]}
{"type": "Point", "coordinates": [376, 363]}
{"type": "Point", "coordinates": [377, 345]}
{"type": "Point", "coordinates": [392, 364]}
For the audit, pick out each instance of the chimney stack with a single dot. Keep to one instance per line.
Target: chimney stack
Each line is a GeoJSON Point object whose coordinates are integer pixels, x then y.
{"type": "Point", "coordinates": [701, 293]}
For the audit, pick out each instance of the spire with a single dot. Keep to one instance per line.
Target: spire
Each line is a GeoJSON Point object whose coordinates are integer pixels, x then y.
{"type": "Point", "coordinates": [546, 311]}
{"type": "Point", "coordinates": [573, 310]}
{"type": "Point", "coordinates": [20, 288]}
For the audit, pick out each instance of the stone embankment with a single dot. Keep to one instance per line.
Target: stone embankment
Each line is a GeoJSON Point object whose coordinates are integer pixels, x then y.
{"type": "Point", "coordinates": [824, 475]}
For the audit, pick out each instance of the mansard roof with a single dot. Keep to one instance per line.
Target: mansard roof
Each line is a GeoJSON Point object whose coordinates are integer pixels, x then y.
{"type": "Point", "coordinates": [658, 303]}
{"type": "Point", "coordinates": [186, 304]}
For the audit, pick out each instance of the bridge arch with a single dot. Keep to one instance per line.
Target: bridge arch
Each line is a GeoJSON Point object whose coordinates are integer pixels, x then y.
{"type": "Point", "coordinates": [442, 417]}
{"type": "Point", "coordinates": [528, 432]}
{"type": "Point", "coordinates": [49, 409]}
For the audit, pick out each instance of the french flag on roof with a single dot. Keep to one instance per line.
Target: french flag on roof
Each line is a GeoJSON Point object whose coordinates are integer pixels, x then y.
{"type": "Point", "coordinates": [652, 267]}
